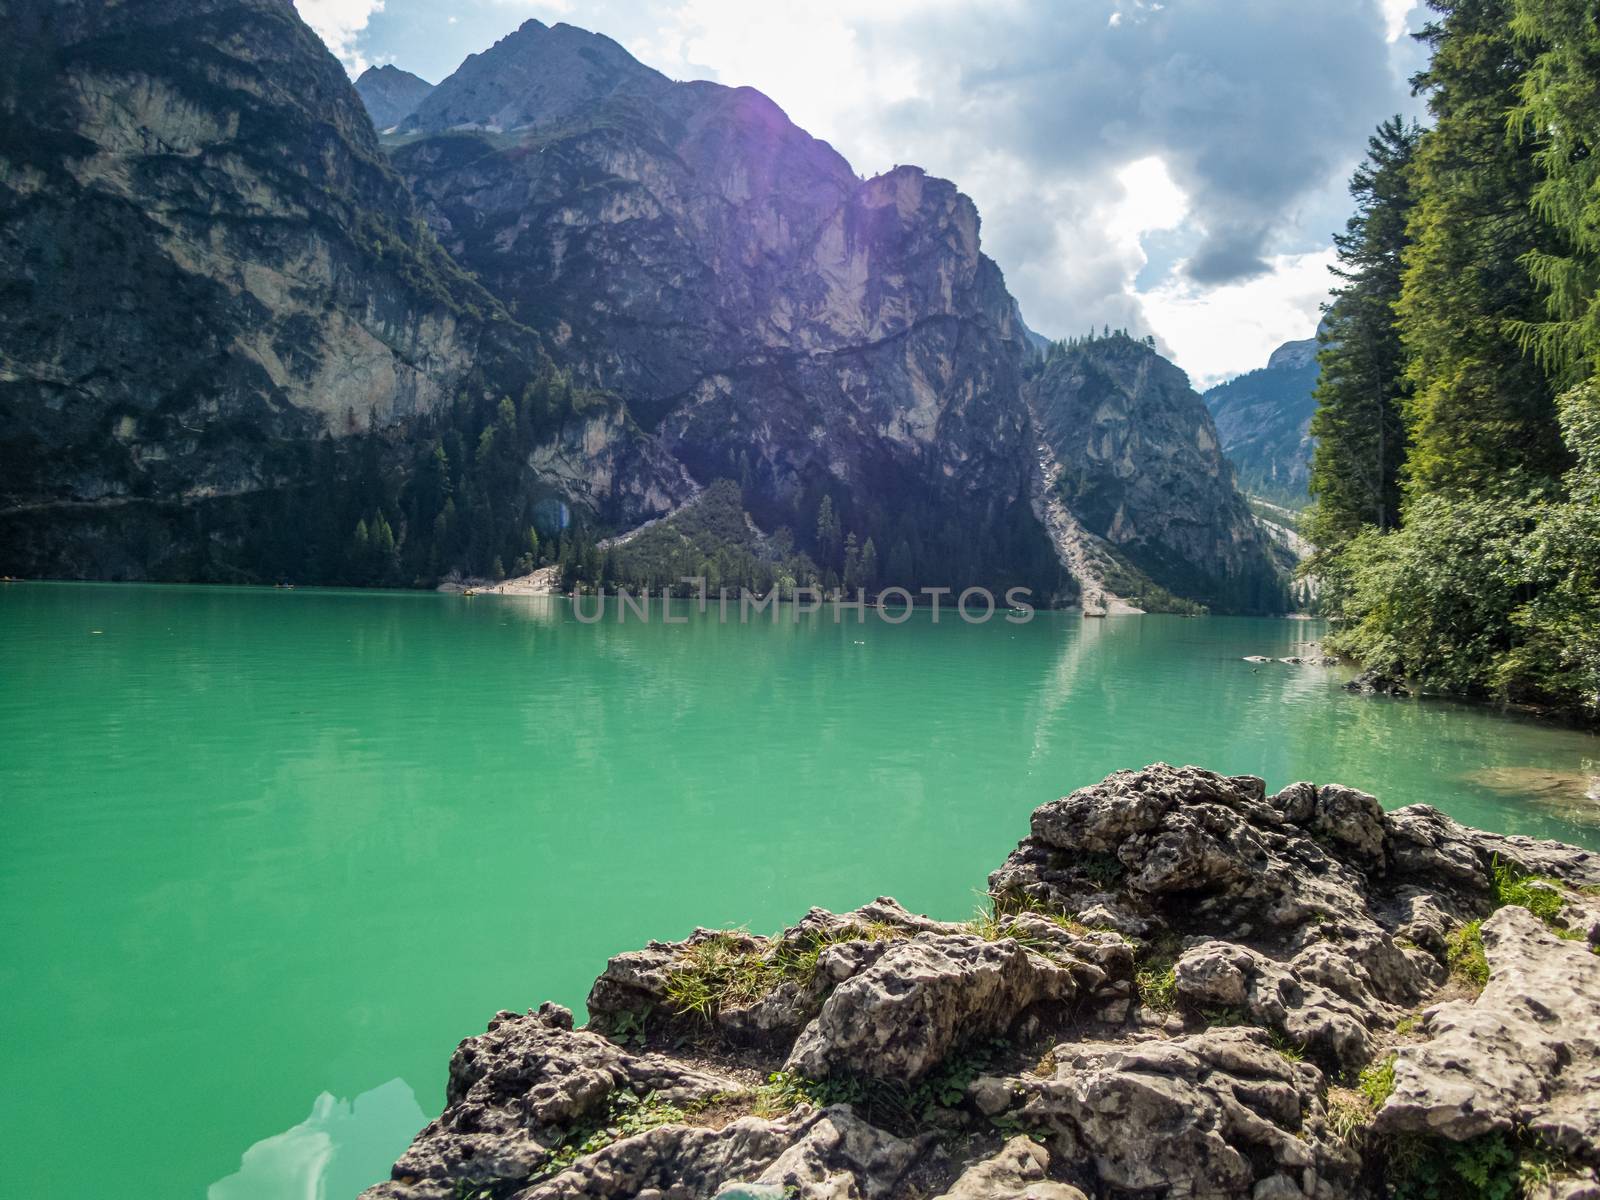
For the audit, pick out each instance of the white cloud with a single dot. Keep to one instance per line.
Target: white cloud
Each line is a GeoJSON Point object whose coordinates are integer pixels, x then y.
{"type": "Point", "coordinates": [339, 23]}
{"type": "Point", "coordinates": [812, 61]}
{"type": "Point", "coordinates": [1150, 201]}
{"type": "Point", "coordinates": [1396, 14]}
{"type": "Point", "coordinates": [1220, 331]}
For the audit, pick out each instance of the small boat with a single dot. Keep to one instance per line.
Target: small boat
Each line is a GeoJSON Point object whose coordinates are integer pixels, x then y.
{"type": "Point", "coordinates": [470, 592]}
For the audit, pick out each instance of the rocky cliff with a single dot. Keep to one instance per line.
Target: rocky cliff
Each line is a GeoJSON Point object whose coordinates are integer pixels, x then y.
{"type": "Point", "coordinates": [1184, 987]}
{"type": "Point", "coordinates": [1138, 462]}
{"type": "Point", "coordinates": [390, 94]}
{"type": "Point", "coordinates": [1264, 420]}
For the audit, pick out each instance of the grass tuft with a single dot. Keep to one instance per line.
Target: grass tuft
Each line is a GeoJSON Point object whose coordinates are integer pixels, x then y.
{"type": "Point", "coordinates": [1464, 952]}
{"type": "Point", "coordinates": [731, 970]}
{"type": "Point", "coordinates": [1537, 894]}
{"type": "Point", "coordinates": [1349, 1112]}
{"type": "Point", "coordinates": [1376, 1082]}
{"type": "Point", "coordinates": [1156, 978]}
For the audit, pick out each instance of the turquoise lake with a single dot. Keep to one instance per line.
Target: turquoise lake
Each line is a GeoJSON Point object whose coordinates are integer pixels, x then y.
{"type": "Point", "coordinates": [269, 855]}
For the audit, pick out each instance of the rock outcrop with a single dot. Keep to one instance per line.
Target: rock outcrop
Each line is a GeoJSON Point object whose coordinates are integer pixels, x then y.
{"type": "Point", "coordinates": [1186, 987]}
{"type": "Point", "coordinates": [1525, 1055]}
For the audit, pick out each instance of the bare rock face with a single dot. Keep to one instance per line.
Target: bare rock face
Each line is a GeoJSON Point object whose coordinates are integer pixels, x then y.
{"type": "Point", "coordinates": [1017, 1172]}
{"type": "Point", "coordinates": [1220, 1113]}
{"type": "Point", "coordinates": [1276, 942]}
{"type": "Point", "coordinates": [391, 94]}
{"type": "Point", "coordinates": [524, 1089]}
{"type": "Point", "coordinates": [810, 1155]}
{"type": "Point", "coordinates": [1141, 466]}
{"type": "Point", "coordinates": [803, 965]}
{"type": "Point", "coordinates": [1264, 420]}
{"type": "Point", "coordinates": [1524, 1055]}
{"type": "Point", "coordinates": [900, 1017]}
{"type": "Point", "coordinates": [191, 206]}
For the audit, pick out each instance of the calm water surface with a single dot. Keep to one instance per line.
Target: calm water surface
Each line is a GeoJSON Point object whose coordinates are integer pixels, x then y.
{"type": "Point", "coordinates": [269, 855]}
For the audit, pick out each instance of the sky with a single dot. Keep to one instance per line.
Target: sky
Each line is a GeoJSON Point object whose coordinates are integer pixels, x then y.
{"type": "Point", "coordinates": [1176, 167]}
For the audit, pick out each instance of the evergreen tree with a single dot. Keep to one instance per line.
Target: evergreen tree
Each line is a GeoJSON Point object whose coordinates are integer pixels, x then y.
{"type": "Point", "coordinates": [1482, 412]}
{"type": "Point", "coordinates": [1359, 423]}
{"type": "Point", "coordinates": [1560, 102]}
{"type": "Point", "coordinates": [827, 532]}
{"type": "Point", "coordinates": [385, 551]}
{"type": "Point", "coordinates": [869, 566]}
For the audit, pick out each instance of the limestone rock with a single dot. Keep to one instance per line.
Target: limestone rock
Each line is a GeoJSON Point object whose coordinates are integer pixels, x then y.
{"type": "Point", "coordinates": [519, 1090]}
{"type": "Point", "coordinates": [1213, 1114]}
{"type": "Point", "coordinates": [1017, 1172]}
{"type": "Point", "coordinates": [634, 986]}
{"type": "Point", "coordinates": [810, 1155]}
{"type": "Point", "coordinates": [1524, 1054]}
{"type": "Point", "coordinates": [898, 1019]}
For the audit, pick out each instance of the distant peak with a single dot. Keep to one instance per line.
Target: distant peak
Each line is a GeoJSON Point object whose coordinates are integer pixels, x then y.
{"type": "Point", "coordinates": [536, 76]}
{"type": "Point", "coordinates": [389, 71]}
{"type": "Point", "coordinates": [1293, 355]}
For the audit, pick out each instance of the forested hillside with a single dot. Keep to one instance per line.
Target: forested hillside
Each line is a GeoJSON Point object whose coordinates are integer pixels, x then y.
{"type": "Point", "coordinates": [1457, 470]}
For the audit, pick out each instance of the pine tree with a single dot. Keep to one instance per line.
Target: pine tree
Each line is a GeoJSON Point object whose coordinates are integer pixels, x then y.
{"type": "Point", "coordinates": [1359, 423]}
{"type": "Point", "coordinates": [827, 532]}
{"type": "Point", "coordinates": [852, 564]}
{"type": "Point", "coordinates": [1482, 412]}
{"type": "Point", "coordinates": [385, 553]}
{"type": "Point", "coordinates": [869, 566]}
{"type": "Point", "coordinates": [1560, 101]}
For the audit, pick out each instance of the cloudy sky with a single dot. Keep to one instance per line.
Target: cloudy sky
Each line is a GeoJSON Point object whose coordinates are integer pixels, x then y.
{"type": "Point", "coordinates": [1176, 167]}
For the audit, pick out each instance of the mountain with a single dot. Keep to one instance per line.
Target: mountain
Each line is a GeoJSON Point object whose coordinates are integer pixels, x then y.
{"type": "Point", "coordinates": [210, 268]}
{"type": "Point", "coordinates": [771, 317]}
{"type": "Point", "coordinates": [244, 339]}
{"type": "Point", "coordinates": [390, 94]}
{"type": "Point", "coordinates": [1141, 467]}
{"type": "Point", "coordinates": [1264, 418]}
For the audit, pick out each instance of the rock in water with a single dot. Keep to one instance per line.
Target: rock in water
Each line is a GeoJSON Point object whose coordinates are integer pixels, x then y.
{"type": "Point", "coordinates": [1269, 947]}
